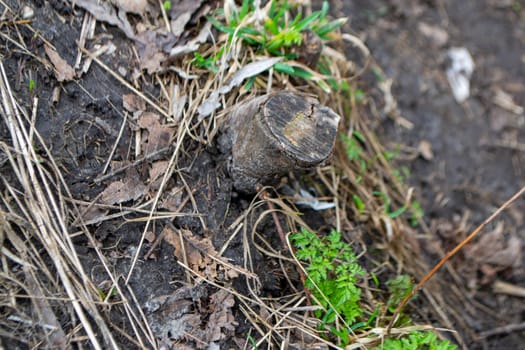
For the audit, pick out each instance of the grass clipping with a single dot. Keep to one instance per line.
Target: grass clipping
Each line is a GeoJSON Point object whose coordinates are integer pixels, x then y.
{"type": "Point", "coordinates": [42, 272]}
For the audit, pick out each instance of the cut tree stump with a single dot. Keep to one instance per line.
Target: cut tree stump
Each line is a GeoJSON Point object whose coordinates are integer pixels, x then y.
{"type": "Point", "coordinates": [276, 133]}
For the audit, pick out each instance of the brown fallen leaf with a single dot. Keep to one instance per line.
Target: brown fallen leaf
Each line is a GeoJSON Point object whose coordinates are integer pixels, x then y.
{"type": "Point", "coordinates": [492, 248]}
{"type": "Point", "coordinates": [63, 71]}
{"type": "Point", "coordinates": [172, 200]}
{"type": "Point", "coordinates": [105, 12]}
{"type": "Point", "coordinates": [158, 136]}
{"type": "Point", "coordinates": [120, 191]}
{"type": "Point", "coordinates": [137, 7]}
{"type": "Point", "coordinates": [152, 46]}
{"type": "Point", "coordinates": [158, 169]}
{"type": "Point", "coordinates": [133, 103]}
{"type": "Point", "coordinates": [509, 256]}
{"type": "Point", "coordinates": [181, 12]}
{"type": "Point", "coordinates": [221, 321]}
{"type": "Point", "coordinates": [156, 173]}
{"type": "Point", "coordinates": [201, 256]}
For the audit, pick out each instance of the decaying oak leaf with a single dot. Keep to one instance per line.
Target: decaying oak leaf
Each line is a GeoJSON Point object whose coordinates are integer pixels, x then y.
{"type": "Point", "coordinates": [493, 248]}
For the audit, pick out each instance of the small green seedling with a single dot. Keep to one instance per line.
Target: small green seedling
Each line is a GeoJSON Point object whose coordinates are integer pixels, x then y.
{"type": "Point", "coordinates": [416, 340]}
{"type": "Point", "coordinates": [333, 273]}
{"type": "Point", "coordinates": [332, 276]}
{"type": "Point", "coordinates": [399, 288]}
{"type": "Point", "coordinates": [279, 34]}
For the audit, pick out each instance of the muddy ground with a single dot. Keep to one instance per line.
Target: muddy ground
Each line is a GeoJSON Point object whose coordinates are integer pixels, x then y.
{"type": "Point", "coordinates": [476, 161]}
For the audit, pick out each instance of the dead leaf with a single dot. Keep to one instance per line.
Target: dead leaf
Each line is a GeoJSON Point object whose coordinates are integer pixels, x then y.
{"type": "Point", "coordinates": [63, 71]}
{"type": "Point", "coordinates": [150, 237]}
{"type": "Point", "coordinates": [221, 320]}
{"type": "Point", "coordinates": [425, 150]}
{"type": "Point", "coordinates": [201, 256]}
{"type": "Point", "coordinates": [153, 46]}
{"type": "Point", "coordinates": [148, 120]}
{"type": "Point", "coordinates": [506, 101]}
{"type": "Point", "coordinates": [137, 7]}
{"type": "Point", "coordinates": [181, 12]}
{"type": "Point", "coordinates": [103, 11]}
{"type": "Point", "coordinates": [133, 103]}
{"type": "Point", "coordinates": [188, 252]}
{"type": "Point", "coordinates": [508, 256]}
{"type": "Point", "coordinates": [130, 188]}
{"type": "Point", "coordinates": [158, 169]}
{"type": "Point", "coordinates": [172, 200]}
{"type": "Point", "coordinates": [156, 174]}
{"type": "Point", "coordinates": [492, 248]}
{"type": "Point", "coordinates": [194, 44]}
{"type": "Point", "coordinates": [158, 136]}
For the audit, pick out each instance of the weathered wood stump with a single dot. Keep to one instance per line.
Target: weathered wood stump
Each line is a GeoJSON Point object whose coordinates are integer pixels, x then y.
{"type": "Point", "coordinates": [276, 133]}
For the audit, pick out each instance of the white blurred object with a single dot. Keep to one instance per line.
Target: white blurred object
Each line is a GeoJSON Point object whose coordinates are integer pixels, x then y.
{"type": "Point", "coordinates": [459, 72]}
{"type": "Point", "coordinates": [310, 201]}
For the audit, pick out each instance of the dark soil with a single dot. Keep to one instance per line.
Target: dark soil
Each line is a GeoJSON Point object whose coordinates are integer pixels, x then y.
{"type": "Point", "coordinates": [474, 166]}
{"type": "Point", "coordinates": [473, 169]}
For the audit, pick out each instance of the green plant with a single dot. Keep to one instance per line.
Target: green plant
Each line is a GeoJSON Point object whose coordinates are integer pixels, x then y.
{"type": "Point", "coordinates": [111, 293]}
{"type": "Point", "coordinates": [332, 275]}
{"type": "Point", "coordinates": [416, 340]}
{"type": "Point", "coordinates": [32, 85]}
{"type": "Point", "coordinates": [401, 175]}
{"type": "Point", "coordinates": [358, 202]}
{"type": "Point", "coordinates": [416, 213]}
{"type": "Point", "coordinates": [353, 148]}
{"type": "Point", "coordinates": [333, 272]}
{"type": "Point", "coordinates": [399, 288]}
{"type": "Point", "coordinates": [279, 33]}
{"type": "Point", "coordinates": [386, 201]}
{"type": "Point", "coordinates": [166, 5]}
{"type": "Point", "coordinates": [209, 63]}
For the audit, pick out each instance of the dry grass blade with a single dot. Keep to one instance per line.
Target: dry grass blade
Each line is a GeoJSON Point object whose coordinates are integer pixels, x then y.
{"type": "Point", "coordinates": [36, 221]}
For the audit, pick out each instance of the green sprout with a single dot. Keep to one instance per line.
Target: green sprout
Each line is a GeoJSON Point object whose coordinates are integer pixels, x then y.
{"type": "Point", "coordinates": [416, 340]}
{"type": "Point", "coordinates": [333, 272]}
{"type": "Point", "coordinates": [280, 34]}
{"type": "Point", "coordinates": [416, 213]}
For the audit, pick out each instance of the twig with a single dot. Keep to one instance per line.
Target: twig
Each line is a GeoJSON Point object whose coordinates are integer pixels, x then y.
{"type": "Point", "coordinates": [108, 162]}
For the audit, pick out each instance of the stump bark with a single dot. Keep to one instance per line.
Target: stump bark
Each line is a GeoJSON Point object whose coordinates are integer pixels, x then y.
{"type": "Point", "coordinates": [276, 133]}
